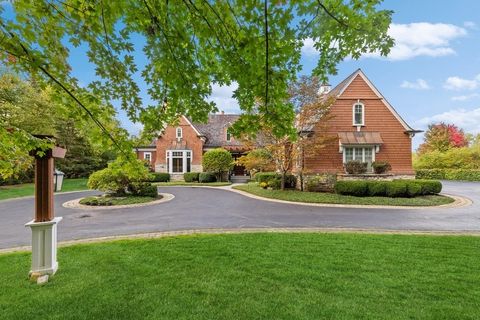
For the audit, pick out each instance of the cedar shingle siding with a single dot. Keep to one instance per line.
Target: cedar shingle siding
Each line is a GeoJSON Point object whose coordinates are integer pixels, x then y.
{"type": "Point", "coordinates": [382, 127]}
{"type": "Point", "coordinates": [397, 145]}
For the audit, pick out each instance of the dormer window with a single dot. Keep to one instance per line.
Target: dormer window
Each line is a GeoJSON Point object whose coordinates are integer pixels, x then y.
{"type": "Point", "coordinates": [358, 114]}
{"type": "Point", "coordinates": [229, 135]}
{"type": "Point", "coordinates": [179, 133]}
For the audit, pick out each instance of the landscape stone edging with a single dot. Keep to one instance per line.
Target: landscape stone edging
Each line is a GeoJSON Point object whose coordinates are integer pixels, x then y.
{"type": "Point", "coordinates": [218, 231]}
{"type": "Point", "coordinates": [458, 203]}
{"type": "Point", "coordinates": [75, 204]}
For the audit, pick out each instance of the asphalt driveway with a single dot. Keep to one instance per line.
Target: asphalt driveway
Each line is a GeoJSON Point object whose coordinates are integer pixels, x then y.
{"type": "Point", "coordinates": [204, 208]}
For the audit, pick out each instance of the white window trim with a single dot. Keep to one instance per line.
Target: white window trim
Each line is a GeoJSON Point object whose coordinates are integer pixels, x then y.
{"type": "Point", "coordinates": [145, 158]}
{"type": "Point", "coordinates": [363, 114]}
{"type": "Point", "coordinates": [169, 158]}
{"type": "Point", "coordinates": [181, 133]}
{"type": "Point", "coordinates": [373, 148]}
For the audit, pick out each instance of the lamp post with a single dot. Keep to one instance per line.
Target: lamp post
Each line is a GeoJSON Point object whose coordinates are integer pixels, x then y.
{"type": "Point", "coordinates": [44, 225]}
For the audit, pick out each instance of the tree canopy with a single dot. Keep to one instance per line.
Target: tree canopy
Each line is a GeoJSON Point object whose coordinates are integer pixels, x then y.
{"type": "Point", "coordinates": [185, 47]}
{"type": "Point", "coordinates": [442, 137]}
{"type": "Point", "coordinates": [27, 110]}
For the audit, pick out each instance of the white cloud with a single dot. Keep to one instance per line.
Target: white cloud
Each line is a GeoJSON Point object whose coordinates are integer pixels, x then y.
{"type": "Point", "coordinates": [308, 48]}
{"type": "Point", "coordinates": [457, 83]}
{"type": "Point", "coordinates": [421, 39]}
{"type": "Point", "coordinates": [222, 96]}
{"type": "Point", "coordinates": [469, 120]}
{"type": "Point", "coordinates": [419, 84]}
{"type": "Point", "coordinates": [465, 97]}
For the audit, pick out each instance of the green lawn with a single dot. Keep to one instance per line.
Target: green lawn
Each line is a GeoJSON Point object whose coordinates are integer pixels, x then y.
{"type": "Point", "coordinates": [116, 201]}
{"type": "Point", "coordinates": [320, 197]}
{"type": "Point", "coordinates": [183, 183]}
{"type": "Point", "coordinates": [253, 276]}
{"type": "Point", "coordinates": [27, 189]}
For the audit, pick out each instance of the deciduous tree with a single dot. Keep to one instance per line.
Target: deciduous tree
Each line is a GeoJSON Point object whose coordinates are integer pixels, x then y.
{"type": "Point", "coordinates": [176, 50]}
{"type": "Point", "coordinates": [442, 137]}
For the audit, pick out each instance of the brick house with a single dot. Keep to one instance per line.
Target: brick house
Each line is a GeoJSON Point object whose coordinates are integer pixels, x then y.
{"type": "Point", "coordinates": [365, 127]}
{"type": "Point", "coordinates": [363, 124]}
{"type": "Point", "coordinates": [180, 148]}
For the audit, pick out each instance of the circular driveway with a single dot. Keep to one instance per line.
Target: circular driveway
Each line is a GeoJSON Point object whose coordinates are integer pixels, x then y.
{"type": "Point", "coordinates": [206, 208]}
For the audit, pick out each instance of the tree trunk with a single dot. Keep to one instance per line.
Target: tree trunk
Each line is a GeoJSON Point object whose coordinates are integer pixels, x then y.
{"type": "Point", "coordinates": [301, 180]}
{"type": "Point", "coordinates": [282, 184]}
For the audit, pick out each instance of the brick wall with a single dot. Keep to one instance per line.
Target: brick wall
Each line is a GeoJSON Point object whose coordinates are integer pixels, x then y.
{"type": "Point", "coordinates": [141, 156]}
{"type": "Point", "coordinates": [397, 146]}
{"type": "Point", "coordinates": [190, 140]}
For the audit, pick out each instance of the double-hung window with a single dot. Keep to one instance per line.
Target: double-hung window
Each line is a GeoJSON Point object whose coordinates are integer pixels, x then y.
{"type": "Point", "coordinates": [362, 154]}
{"type": "Point", "coordinates": [358, 114]}
{"type": "Point", "coordinates": [147, 156]}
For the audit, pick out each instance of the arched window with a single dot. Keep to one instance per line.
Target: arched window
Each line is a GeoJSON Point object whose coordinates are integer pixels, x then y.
{"type": "Point", "coordinates": [179, 133]}
{"type": "Point", "coordinates": [358, 114]}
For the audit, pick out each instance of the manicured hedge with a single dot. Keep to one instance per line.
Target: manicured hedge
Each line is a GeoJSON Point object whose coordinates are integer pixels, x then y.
{"type": "Point", "coordinates": [430, 186]}
{"type": "Point", "coordinates": [377, 189]}
{"type": "Point", "coordinates": [159, 177]}
{"type": "Point", "coordinates": [265, 176]}
{"type": "Point", "coordinates": [356, 188]}
{"type": "Point", "coordinates": [290, 179]}
{"type": "Point", "coordinates": [449, 174]}
{"type": "Point", "coordinates": [393, 189]}
{"type": "Point", "coordinates": [207, 177]}
{"type": "Point", "coordinates": [191, 176]}
{"type": "Point", "coordinates": [143, 189]}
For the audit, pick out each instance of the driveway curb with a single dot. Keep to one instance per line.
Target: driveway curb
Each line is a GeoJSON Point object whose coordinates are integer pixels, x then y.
{"type": "Point", "coordinates": [214, 231]}
{"type": "Point", "coordinates": [75, 204]}
{"type": "Point", "coordinates": [458, 203]}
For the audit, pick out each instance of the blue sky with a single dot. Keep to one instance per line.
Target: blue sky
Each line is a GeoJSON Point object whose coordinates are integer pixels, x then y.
{"type": "Point", "coordinates": [432, 74]}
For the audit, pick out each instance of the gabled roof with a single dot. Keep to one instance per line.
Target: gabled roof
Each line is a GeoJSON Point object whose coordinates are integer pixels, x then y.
{"type": "Point", "coordinates": [342, 86]}
{"type": "Point", "coordinates": [215, 130]}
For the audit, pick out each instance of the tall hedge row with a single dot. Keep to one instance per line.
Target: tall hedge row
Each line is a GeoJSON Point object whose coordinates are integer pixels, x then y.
{"type": "Point", "coordinates": [449, 174]}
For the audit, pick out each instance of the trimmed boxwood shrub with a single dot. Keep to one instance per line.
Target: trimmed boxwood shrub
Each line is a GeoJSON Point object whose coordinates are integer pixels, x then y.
{"type": "Point", "coordinates": [429, 186]}
{"type": "Point", "coordinates": [191, 176]}
{"type": "Point", "coordinates": [143, 189]}
{"type": "Point", "coordinates": [377, 188]}
{"type": "Point", "coordinates": [266, 176]}
{"type": "Point", "coordinates": [159, 177]}
{"type": "Point", "coordinates": [356, 188]}
{"type": "Point", "coordinates": [356, 167]}
{"type": "Point", "coordinates": [290, 179]}
{"type": "Point", "coordinates": [206, 177]}
{"type": "Point", "coordinates": [396, 189]}
{"type": "Point", "coordinates": [414, 189]}
{"type": "Point", "coordinates": [275, 184]}
{"type": "Point", "coordinates": [380, 167]}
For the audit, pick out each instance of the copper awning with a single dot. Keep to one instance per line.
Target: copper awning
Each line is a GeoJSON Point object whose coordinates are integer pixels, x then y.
{"type": "Point", "coordinates": [360, 137]}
